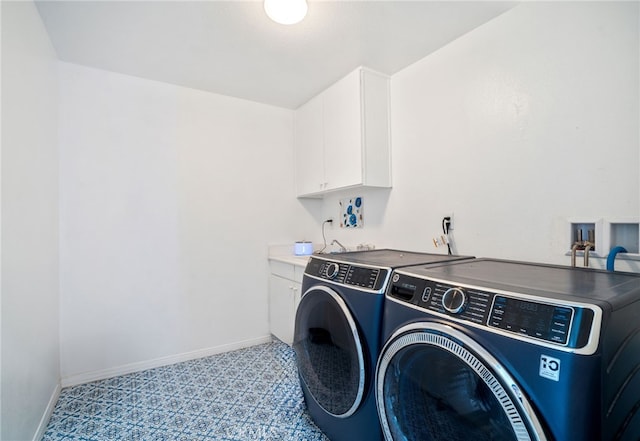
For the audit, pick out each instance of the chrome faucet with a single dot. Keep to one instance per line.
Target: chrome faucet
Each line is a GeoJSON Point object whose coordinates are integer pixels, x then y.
{"type": "Point", "coordinates": [587, 247]}
{"type": "Point", "coordinates": [342, 247]}
{"type": "Point", "coordinates": [574, 249]}
{"type": "Point", "coordinates": [583, 245]}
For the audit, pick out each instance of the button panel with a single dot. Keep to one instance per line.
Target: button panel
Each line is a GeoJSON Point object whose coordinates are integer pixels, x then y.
{"type": "Point", "coordinates": [343, 273]}
{"type": "Point", "coordinates": [426, 294]}
{"type": "Point", "coordinates": [536, 319]}
{"type": "Point", "coordinates": [364, 277]}
{"type": "Point", "coordinates": [475, 310]}
{"type": "Point", "coordinates": [509, 312]}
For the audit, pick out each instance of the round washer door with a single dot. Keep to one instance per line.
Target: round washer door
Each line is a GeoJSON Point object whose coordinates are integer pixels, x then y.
{"type": "Point", "coordinates": [329, 351]}
{"type": "Point", "coordinates": [435, 383]}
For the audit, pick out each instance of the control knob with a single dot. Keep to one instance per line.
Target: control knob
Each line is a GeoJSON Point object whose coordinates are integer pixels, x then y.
{"type": "Point", "coordinates": [331, 270]}
{"type": "Point", "coordinates": [454, 300]}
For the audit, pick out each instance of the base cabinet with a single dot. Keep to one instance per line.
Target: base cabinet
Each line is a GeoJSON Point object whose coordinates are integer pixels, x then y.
{"type": "Point", "coordinates": [285, 283]}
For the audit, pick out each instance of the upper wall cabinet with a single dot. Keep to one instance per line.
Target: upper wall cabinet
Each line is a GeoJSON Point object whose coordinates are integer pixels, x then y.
{"type": "Point", "coordinates": [342, 136]}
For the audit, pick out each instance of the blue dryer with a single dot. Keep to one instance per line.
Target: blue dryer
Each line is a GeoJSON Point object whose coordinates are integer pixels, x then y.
{"type": "Point", "coordinates": [498, 350]}
{"type": "Point", "coordinates": [337, 337]}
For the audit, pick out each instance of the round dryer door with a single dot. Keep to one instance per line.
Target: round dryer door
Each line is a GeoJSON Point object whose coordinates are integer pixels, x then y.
{"type": "Point", "coordinates": [435, 383]}
{"type": "Point", "coordinates": [329, 351]}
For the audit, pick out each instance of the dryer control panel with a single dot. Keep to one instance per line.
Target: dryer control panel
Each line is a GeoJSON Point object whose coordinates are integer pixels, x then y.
{"type": "Point", "coordinates": [507, 312]}
{"type": "Point", "coordinates": [362, 276]}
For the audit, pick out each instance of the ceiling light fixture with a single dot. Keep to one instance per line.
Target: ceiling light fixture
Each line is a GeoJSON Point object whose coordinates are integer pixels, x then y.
{"type": "Point", "coordinates": [286, 12]}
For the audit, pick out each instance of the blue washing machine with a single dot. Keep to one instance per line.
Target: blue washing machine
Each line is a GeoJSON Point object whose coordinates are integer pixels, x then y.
{"type": "Point", "coordinates": [499, 350]}
{"type": "Point", "coordinates": [337, 337]}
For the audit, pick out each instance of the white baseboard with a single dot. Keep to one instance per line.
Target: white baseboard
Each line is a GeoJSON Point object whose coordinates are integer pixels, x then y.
{"type": "Point", "coordinates": [88, 377]}
{"type": "Point", "coordinates": [46, 416]}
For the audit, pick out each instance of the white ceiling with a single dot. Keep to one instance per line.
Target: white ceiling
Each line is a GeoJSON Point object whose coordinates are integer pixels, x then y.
{"type": "Point", "coordinates": [232, 48]}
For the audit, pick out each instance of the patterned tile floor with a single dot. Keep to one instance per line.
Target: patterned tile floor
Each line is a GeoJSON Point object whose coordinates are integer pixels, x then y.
{"type": "Point", "coordinates": [245, 395]}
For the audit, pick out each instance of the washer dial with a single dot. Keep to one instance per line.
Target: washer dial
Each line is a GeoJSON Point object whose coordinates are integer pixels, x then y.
{"type": "Point", "coordinates": [331, 270]}
{"type": "Point", "coordinates": [454, 300]}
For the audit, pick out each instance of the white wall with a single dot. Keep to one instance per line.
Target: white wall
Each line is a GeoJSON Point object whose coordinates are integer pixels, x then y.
{"type": "Point", "coordinates": [29, 296]}
{"type": "Point", "coordinates": [169, 197]}
{"type": "Point", "coordinates": [531, 119]}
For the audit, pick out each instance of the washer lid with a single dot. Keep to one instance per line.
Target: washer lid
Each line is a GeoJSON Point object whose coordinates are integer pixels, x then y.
{"type": "Point", "coordinates": [552, 281]}
{"type": "Point", "coordinates": [389, 258]}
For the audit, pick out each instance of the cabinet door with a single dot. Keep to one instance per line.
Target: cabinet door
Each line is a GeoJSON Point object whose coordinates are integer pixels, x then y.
{"type": "Point", "coordinates": [282, 303]}
{"type": "Point", "coordinates": [375, 130]}
{"type": "Point", "coordinates": [309, 142]}
{"type": "Point", "coordinates": [343, 133]}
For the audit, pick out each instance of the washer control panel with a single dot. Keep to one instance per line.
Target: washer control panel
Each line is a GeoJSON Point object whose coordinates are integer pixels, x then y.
{"type": "Point", "coordinates": [536, 319]}
{"type": "Point", "coordinates": [541, 319]}
{"type": "Point", "coordinates": [343, 273]}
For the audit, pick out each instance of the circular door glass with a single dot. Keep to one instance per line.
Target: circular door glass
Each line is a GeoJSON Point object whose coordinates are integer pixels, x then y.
{"type": "Point", "coordinates": [432, 388]}
{"type": "Point", "coordinates": [329, 352]}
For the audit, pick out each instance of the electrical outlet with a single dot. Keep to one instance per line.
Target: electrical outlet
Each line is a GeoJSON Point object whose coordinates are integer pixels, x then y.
{"type": "Point", "coordinates": [450, 216]}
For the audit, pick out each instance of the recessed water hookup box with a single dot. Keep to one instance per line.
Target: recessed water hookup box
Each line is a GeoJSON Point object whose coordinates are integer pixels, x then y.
{"type": "Point", "coordinates": [604, 234]}
{"type": "Point", "coordinates": [583, 233]}
{"type": "Point", "coordinates": [623, 232]}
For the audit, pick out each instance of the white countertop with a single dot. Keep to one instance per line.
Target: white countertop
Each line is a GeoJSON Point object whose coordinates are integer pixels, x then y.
{"type": "Point", "coordinates": [284, 253]}
{"type": "Point", "coordinates": [291, 259]}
